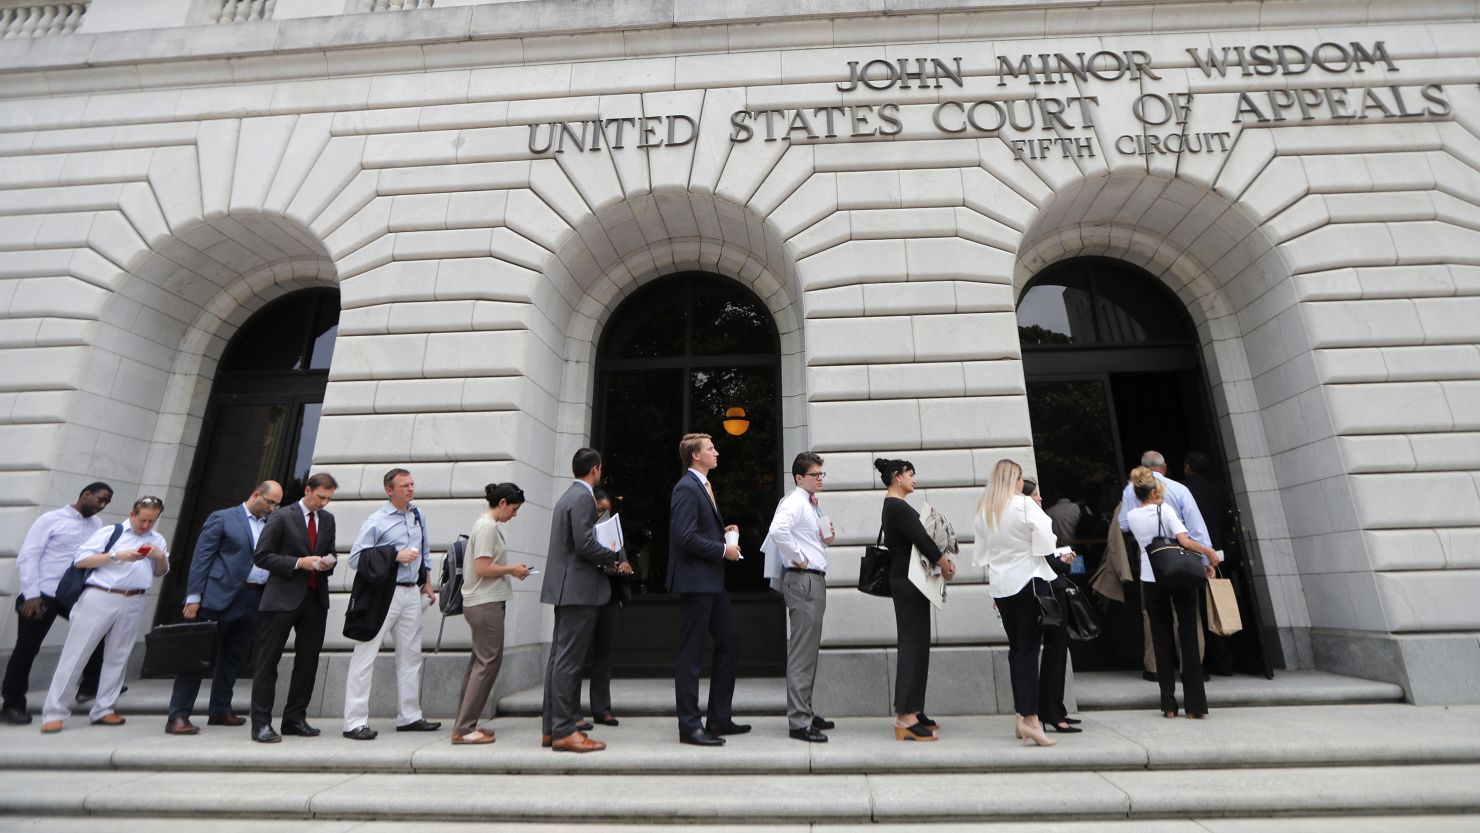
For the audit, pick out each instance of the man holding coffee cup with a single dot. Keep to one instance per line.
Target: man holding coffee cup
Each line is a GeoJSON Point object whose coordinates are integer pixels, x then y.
{"type": "Point", "coordinates": [397, 524]}
{"type": "Point", "coordinates": [699, 544]}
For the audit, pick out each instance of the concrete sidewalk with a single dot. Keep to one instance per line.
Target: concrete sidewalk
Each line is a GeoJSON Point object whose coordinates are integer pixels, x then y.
{"type": "Point", "coordinates": [1369, 734]}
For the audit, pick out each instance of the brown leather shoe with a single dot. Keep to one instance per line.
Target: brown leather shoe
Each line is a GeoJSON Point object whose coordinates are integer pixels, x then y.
{"type": "Point", "coordinates": [51, 727]}
{"type": "Point", "coordinates": [577, 742]}
{"type": "Point", "coordinates": [545, 741]}
{"type": "Point", "coordinates": [228, 719]}
{"type": "Point", "coordinates": [181, 726]}
{"type": "Point", "coordinates": [110, 719]}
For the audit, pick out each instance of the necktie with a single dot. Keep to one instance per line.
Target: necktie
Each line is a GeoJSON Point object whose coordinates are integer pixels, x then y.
{"type": "Point", "coordinates": [710, 489]}
{"type": "Point", "coordinates": [313, 546]}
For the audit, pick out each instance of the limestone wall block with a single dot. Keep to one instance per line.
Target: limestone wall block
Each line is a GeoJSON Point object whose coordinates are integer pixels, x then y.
{"type": "Point", "coordinates": [1429, 601]}
{"type": "Point", "coordinates": [1427, 499]}
{"type": "Point", "coordinates": [975, 421]}
{"type": "Point", "coordinates": [859, 340]}
{"type": "Point", "coordinates": [878, 424]}
{"type": "Point", "coordinates": [1390, 408]}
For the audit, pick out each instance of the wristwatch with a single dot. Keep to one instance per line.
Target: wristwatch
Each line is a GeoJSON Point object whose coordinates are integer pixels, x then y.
{"type": "Point", "coordinates": [112, 556]}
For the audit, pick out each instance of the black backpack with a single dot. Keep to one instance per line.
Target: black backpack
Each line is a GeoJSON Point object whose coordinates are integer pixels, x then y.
{"type": "Point", "coordinates": [449, 591]}
{"type": "Point", "coordinates": [74, 580]}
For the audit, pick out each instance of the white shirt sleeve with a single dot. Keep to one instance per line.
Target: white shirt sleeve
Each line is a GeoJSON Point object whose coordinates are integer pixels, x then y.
{"type": "Point", "coordinates": [782, 533]}
{"type": "Point", "coordinates": [94, 543]}
{"type": "Point", "coordinates": [28, 560]}
{"type": "Point", "coordinates": [1041, 538]}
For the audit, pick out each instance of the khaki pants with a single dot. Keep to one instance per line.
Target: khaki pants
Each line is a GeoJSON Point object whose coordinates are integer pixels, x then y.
{"type": "Point", "coordinates": [486, 622]}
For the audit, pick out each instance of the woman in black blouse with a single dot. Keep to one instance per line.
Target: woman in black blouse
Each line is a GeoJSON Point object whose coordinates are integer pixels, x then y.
{"type": "Point", "coordinates": [903, 532]}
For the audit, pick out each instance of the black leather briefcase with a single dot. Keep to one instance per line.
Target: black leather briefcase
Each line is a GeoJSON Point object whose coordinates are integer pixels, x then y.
{"type": "Point", "coordinates": [186, 648]}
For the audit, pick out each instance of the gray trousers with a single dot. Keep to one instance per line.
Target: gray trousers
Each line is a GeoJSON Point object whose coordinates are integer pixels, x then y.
{"type": "Point", "coordinates": [806, 601]}
{"type": "Point", "coordinates": [574, 625]}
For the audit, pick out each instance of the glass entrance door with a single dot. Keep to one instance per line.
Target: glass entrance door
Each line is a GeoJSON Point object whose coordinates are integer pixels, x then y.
{"type": "Point", "coordinates": [684, 355]}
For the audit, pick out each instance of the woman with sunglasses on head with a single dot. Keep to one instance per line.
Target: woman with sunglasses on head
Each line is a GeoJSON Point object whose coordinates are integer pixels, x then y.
{"type": "Point", "coordinates": [902, 533]}
{"type": "Point", "coordinates": [1013, 533]}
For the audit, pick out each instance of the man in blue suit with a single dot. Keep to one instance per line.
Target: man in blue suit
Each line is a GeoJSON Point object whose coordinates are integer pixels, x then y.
{"type": "Point", "coordinates": [697, 553]}
{"type": "Point", "coordinates": [224, 587]}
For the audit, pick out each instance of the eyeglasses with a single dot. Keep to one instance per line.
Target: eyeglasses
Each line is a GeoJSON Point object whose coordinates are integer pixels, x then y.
{"type": "Point", "coordinates": [817, 474]}
{"type": "Point", "coordinates": [273, 504]}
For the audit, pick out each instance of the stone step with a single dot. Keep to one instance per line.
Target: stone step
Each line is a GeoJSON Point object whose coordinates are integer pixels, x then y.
{"type": "Point", "coordinates": [1261, 824]}
{"type": "Point", "coordinates": [730, 797]}
{"type": "Point", "coordinates": [1264, 738]}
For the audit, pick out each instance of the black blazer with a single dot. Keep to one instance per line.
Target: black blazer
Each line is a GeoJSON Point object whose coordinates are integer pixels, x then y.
{"type": "Point", "coordinates": [370, 597]}
{"type": "Point", "coordinates": [696, 540]}
{"type": "Point", "coordinates": [283, 541]}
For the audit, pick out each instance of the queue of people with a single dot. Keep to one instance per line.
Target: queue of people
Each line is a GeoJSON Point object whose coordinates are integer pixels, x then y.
{"type": "Point", "coordinates": [261, 571]}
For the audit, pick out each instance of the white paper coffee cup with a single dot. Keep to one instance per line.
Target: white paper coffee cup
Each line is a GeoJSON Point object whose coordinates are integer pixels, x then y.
{"type": "Point", "coordinates": [732, 537]}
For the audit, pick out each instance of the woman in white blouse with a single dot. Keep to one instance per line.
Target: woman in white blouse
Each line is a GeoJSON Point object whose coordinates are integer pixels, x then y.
{"type": "Point", "coordinates": [1151, 519]}
{"type": "Point", "coordinates": [1013, 534]}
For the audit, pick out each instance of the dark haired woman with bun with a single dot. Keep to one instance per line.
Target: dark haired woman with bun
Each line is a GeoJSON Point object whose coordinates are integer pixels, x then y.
{"type": "Point", "coordinates": [902, 532]}
{"type": "Point", "coordinates": [486, 592]}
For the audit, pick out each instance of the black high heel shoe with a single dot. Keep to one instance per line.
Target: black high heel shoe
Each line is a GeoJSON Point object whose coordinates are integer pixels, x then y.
{"type": "Point", "coordinates": [1063, 730]}
{"type": "Point", "coordinates": [1073, 721]}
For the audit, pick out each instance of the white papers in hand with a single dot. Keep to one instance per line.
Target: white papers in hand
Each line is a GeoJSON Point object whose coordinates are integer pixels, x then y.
{"type": "Point", "coordinates": [609, 532]}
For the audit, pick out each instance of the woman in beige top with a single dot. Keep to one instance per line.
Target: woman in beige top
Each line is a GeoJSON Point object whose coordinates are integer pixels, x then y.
{"type": "Point", "coordinates": [486, 591]}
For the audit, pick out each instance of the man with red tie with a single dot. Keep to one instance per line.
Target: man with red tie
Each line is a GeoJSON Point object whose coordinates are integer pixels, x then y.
{"type": "Point", "coordinates": [297, 548]}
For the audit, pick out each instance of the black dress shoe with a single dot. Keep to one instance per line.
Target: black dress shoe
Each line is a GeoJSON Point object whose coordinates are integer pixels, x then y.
{"type": "Point", "coordinates": [730, 728]}
{"type": "Point", "coordinates": [699, 737]}
{"type": "Point", "coordinates": [606, 719]}
{"type": "Point", "coordinates": [1148, 676]}
{"type": "Point", "coordinates": [422, 725]}
{"type": "Point", "coordinates": [810, 734]}
{"type": "Point", "coordinates": [1066, 729]}
{"type": "Point", "coordinates": [265, 734]}
{"type": "Point", "coordinates": [361, 733]}
{"type": "Point", "coordinates": [584, 726]}
{"type": "Point", "coordinates": [16, 716]}
{"type": "Point", "coordinates": [925, 721]}
{"type": "Point", "coordinates": [300, 728]}
{"type": "Point", "coordinates": [823, 724]}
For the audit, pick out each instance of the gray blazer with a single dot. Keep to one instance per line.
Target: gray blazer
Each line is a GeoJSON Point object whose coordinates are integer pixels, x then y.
{"type": "Point", "coordinates": [574, 563]}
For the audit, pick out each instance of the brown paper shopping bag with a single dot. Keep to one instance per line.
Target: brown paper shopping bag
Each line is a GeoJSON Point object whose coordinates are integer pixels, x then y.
{"type": "Point", "coordinates": [1223, 615]}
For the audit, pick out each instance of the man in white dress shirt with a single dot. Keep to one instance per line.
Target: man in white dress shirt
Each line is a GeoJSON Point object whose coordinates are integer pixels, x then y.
{"type": "Point", "coordinates": [796, 556]}
{"type": "Point", "coordinates": [400, 525]}
{"type": "Point", "coordinates": [109, 611]}
{"type": "Point", "coordinates": [47, 553]}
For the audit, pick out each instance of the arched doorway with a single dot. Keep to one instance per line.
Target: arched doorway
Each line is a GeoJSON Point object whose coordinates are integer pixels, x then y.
{"type": "Point", "coordinates": [675, 357]}
{"type": "Point", "coordinates": [262, 418]}
{"type": "Point", "coordinates": [1113, 368]}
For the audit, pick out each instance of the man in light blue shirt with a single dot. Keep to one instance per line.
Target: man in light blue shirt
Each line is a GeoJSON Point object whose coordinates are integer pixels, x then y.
{"type": "Point", "coordinates": [1180, 498]}
{"type": "Point", "coordinates": [400, 525]}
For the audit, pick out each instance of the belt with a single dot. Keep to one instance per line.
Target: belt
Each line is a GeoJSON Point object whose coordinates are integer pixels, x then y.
{"type": "Point", "coordinates": [805, 570]}
{"type": "Point", "coordinates": [117, 592]}
{"type": "Point", "coordinates": [253, 585]}
{"type": "Point", "coordinates": [407, 584]}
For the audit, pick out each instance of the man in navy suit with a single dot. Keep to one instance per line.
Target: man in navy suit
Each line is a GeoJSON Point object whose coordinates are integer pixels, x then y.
{"type": "Point", "coordinates": [225, 587]}
{"type": "Point", "coordinates": [697, 553]}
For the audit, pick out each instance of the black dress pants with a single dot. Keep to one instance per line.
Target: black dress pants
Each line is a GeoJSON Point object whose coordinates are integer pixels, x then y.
{"type": "Point", "coordinates": [1024, 638]}
{"type": "Point", "coordinates": [700, 613]}
{"type": "Point", "coordinates": [1159, 606]}
{"type": "Point", "coordinates": [307, 625]}
{"type": "Point", "coordinates": [603, 646]}
{"type": "Point", "coordinates": [29, 635]}
{"type": "Point", "coordinates": [236, 628]}
{"type": "Point", "coordinates": [1051, 670]}
{"type": "Point", "coordinates": [912, 627]}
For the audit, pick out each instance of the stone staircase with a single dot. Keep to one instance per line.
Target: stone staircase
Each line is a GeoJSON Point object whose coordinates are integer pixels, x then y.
{"type": "Point", "coordinates": [1297, 768]}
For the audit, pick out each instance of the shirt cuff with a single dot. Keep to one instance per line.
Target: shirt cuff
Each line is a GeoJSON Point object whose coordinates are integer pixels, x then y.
{"type": "Point", "coordinates": [192, 599]}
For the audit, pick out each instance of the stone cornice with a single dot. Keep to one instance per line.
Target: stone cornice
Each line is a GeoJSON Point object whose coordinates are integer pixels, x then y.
{"type": "Point", "coordinates": [546, 31]}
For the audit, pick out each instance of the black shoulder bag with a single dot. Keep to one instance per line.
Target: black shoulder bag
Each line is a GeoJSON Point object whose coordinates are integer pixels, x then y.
{"type": "Point", "coordinates": [873, 568]}
{"type": "Point", "coordinates": [1174, 567]}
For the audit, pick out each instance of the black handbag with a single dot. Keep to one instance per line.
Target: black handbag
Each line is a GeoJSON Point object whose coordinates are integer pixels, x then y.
{"type": "Point", "coordinates": [1050, 609]}
{"type": "Point", "coordinates": [185, 648]}
{"type": "Point", "coordinates": [1174, 567]}
{"type": "Point", "coordinates": [873, 569]}
{"type": "Point", "coordinates": [1080, 621]}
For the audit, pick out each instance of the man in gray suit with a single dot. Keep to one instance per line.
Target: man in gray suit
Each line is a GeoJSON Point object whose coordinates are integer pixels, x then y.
{"type": "Point", "coordinates": [576, 584]}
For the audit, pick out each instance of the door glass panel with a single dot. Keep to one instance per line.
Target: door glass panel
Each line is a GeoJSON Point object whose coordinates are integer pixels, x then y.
{"type": "Point", "coordinates": [302, 459]}
{"type": "Point", "coordinates": [1060, 312]}
{"type": "Point", "coordinates": [643, 422]}
{"type": "Point", "coordinates": [745, 480]}
{"type": "Point", "coordinates": [727, 322]}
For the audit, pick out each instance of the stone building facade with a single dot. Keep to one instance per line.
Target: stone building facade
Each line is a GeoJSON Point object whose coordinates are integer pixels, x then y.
{"type": "Point", "coordinates": [485, 183]}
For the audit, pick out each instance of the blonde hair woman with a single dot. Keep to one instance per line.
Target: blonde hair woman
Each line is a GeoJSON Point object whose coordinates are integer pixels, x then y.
{"type": "Point", "coordinates": [1147, 521]}
{"type": "Point", "coordinates": [1013, 534]}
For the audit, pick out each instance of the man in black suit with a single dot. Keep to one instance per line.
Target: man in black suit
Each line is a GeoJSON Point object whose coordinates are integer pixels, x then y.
{"type": "Point", "coordinates": [697, 552]}
{"type": "Point", "coordinates": [297, 548]}
{"type": "Point", "coordinates": [225, 587]}
{"type": "Point", "coordinates": [576, 584]}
